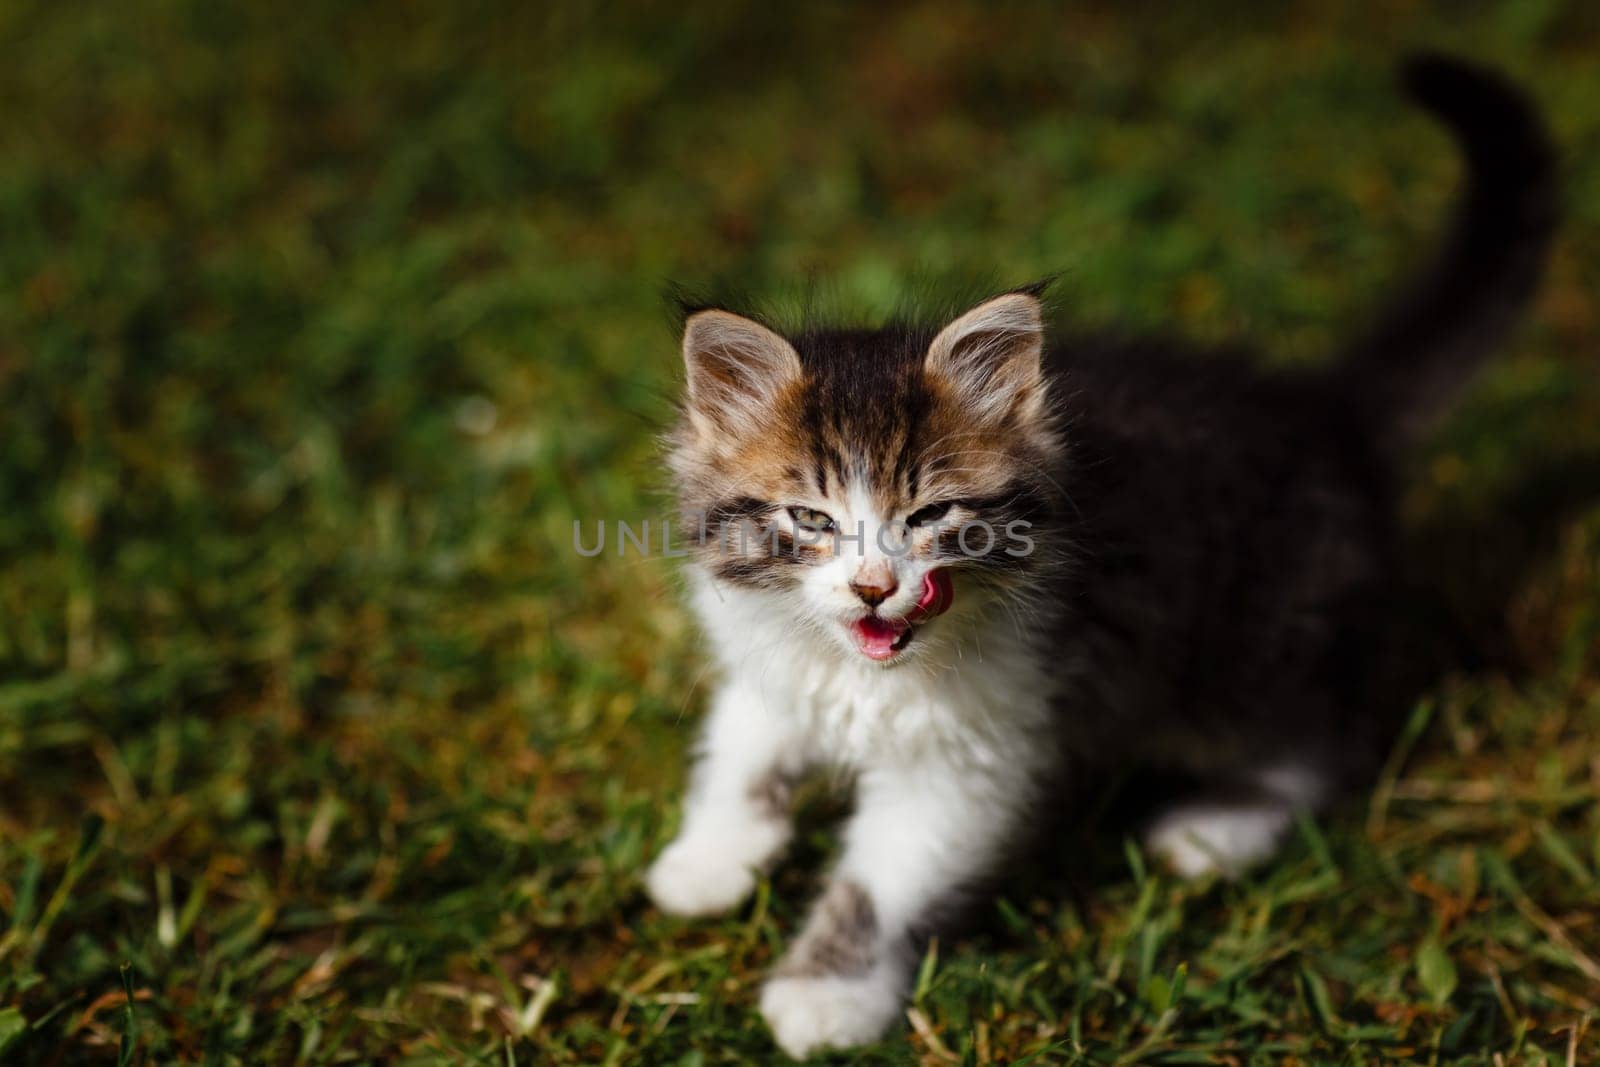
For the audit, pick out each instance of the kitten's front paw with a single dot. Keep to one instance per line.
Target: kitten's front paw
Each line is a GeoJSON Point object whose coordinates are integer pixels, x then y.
{"type": "Point", "coordinates": [806, 1014]}
{"type": "Point", "coordinates": [698, 876]}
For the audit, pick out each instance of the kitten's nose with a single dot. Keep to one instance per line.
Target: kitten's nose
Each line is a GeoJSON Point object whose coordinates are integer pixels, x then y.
{"type": "Point", "coordinates": [874, 585]}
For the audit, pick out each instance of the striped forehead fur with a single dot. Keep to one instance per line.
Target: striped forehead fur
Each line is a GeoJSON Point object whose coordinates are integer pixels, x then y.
{"type": "Point", "coordinates": [909, 414]}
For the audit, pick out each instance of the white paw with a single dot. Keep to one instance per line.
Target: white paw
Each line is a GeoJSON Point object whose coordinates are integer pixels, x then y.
{"type": "Point", "coordinates": [806, 1014]}
{"type": "Point", "coordinates": [706, 873]}
{"type": "Point", "coordinates": [1214, 839]}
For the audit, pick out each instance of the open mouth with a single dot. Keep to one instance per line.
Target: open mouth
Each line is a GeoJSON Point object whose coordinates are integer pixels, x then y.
{"type": "Point", "coordinates": [882, 639]}
{"type": "Point", "coordinates": [879, 638]}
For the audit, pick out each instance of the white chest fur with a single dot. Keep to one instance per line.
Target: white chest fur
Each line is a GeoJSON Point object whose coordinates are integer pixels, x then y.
{"type": "Point", "coordinates": [974, 695]}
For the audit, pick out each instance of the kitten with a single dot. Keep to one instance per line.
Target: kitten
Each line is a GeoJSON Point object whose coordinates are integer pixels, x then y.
{"type": "Point", "coordinates": [1148, 557]}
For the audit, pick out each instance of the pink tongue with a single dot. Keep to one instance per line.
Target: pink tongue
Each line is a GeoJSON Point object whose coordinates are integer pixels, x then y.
{"type": "Point", "coordinates": [937, 593]}
{"type": "Point", "coordinates": [876, 637]}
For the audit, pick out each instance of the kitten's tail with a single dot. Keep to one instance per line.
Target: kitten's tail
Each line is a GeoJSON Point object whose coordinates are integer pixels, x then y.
{"type": "Point", "coordinates": [1428, 343]}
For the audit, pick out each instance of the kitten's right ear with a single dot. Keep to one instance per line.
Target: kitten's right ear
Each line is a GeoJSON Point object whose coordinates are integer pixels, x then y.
{"type": "Point", "coordinates": [737, 368]}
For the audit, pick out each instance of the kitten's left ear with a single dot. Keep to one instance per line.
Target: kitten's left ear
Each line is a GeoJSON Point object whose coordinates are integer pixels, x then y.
{"type": "Point", "coordinates": [991, 357]}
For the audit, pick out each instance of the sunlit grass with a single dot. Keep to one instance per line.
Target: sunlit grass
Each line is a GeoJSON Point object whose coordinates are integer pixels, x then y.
{"type": "Point", "coordinates": [317, 333]}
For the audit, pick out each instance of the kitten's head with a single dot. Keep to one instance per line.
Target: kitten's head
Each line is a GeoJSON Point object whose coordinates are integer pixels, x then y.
{"type": "Point", "coordinates": [836, 469]}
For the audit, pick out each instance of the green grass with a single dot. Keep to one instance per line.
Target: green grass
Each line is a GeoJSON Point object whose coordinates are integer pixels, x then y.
{"type": "Point", "coordinates": [319, 744]}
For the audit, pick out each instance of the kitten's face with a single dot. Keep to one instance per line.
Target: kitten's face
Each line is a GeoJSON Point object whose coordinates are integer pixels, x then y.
{"type": "Point", "coordinates": [837, 472]}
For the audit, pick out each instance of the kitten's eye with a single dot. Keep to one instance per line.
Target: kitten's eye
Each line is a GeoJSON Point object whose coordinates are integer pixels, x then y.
{"type": "Point", "coordinates": [931, 513]}
{"type": "Point", "coordinates": [811, 520]}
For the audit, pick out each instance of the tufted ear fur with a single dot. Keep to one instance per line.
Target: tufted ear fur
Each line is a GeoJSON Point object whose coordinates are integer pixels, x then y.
{"type": "Point", "coordinates": [737, 369]}
{"type": "Point", "coordinates": [991, 358]}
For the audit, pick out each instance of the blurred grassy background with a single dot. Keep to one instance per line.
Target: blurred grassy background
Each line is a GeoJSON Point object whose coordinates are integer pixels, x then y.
{"type": "Point", "coordinates": [319, 328]}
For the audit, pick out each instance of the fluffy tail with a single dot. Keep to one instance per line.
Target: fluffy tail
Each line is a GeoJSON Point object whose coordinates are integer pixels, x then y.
{"type": "Point", "coordinates": [1424, 348]}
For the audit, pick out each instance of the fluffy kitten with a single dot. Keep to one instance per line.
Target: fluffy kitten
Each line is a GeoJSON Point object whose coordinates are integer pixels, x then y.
{"type": "Point", "coordinates": [1203, 589]}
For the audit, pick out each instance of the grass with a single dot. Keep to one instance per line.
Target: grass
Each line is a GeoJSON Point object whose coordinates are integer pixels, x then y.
{"type": "Point", "coordinates": [318, 744]}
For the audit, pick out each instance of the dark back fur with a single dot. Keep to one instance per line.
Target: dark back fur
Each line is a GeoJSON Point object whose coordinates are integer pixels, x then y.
{"type": "Point", "coordinates": [1243, 590]}
{"type": "Point", "coordinates": [1237, 537]}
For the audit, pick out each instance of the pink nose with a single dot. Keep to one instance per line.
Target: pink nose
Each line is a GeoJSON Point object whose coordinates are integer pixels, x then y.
{"type": "Point", "coordinates": [874, 590]}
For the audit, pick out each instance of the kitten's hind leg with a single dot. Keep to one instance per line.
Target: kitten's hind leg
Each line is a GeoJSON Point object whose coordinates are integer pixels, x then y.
{"type": "Point", "coordinates": [1229, 831]}
{"type": "Point", "coordinates": [736, 815]}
